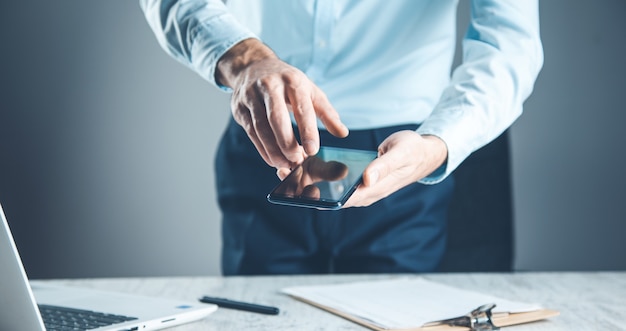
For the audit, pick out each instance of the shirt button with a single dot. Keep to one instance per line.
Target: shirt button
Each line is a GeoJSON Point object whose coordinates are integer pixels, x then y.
{"type": "Point", "coordinates": [322, 44]}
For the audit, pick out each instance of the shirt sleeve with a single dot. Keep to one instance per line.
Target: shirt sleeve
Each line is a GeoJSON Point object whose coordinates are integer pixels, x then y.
{"type": "Point", "coordinates": [502, 56]}
{"type": "Point", "coordinates": [195, 32]}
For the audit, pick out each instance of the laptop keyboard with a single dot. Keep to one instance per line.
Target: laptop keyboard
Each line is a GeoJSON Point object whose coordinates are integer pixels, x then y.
{"type": "Point", "coordinates": [70, 319]}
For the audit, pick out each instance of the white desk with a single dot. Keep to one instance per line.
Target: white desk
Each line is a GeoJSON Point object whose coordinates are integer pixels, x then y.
{"type": "Point", "coordinates": [587, 301]}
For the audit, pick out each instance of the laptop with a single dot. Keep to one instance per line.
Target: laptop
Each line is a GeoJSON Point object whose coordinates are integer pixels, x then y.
{"type": "Point", "coordinates": [38, 306]}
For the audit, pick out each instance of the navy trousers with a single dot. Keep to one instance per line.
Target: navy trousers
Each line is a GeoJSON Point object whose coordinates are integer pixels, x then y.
{"type": "Point", "coordinates": [405, 232]}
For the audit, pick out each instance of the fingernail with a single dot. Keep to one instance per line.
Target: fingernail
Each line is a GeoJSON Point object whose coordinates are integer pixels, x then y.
{"type": "Point", "coordinates": [310, 147]}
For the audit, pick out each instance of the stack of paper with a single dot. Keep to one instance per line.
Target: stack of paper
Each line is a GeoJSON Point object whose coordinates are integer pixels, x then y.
{"type": "Point", "coordinates": [408, 302]}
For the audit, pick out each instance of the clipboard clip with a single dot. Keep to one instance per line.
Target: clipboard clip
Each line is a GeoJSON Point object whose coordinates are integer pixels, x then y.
{"type": "Point", "coordinates": [478, 319]}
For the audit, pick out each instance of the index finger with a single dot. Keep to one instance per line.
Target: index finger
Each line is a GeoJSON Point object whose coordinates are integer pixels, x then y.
{"type": "Point", "coordinates": [304, 114]}
{"type": "Point", "coordinates": [280, 123]}
{"type": "Point", "coordinates": [327, 114]}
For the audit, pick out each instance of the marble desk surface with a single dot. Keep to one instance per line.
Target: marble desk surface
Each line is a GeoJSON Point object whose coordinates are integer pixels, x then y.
{"type": "Point", "coordinates": [586, 300]}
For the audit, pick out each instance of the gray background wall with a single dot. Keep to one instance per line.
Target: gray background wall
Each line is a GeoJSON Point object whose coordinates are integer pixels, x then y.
{"type": "Point", "coordinates": [107, 144]}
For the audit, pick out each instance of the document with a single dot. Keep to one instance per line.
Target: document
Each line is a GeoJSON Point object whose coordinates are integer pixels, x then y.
{"type": "Point", "coordinates": [403, 302]}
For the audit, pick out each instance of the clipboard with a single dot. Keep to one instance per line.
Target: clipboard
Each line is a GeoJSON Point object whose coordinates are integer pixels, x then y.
{"type": "Point", "coordinates": [498, 320]}
{"type": "Point", "coordinates": [479, 319]}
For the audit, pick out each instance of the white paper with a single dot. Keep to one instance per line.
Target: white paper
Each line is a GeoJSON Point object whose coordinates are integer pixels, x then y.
{"type": "Point", "coordinates": [405, 302]}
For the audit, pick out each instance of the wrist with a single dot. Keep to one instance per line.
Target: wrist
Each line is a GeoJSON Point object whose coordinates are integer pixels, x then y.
{"type": "Point", "coordinates": [238, 58]}
{"type": "Point", "coordinates": [439, 151]}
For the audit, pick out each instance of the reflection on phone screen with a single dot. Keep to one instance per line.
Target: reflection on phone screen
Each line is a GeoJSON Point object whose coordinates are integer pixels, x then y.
{"type": "Point", "coordinates": [324, 180]}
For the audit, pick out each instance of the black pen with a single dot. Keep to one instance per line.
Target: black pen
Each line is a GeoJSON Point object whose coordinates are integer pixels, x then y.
{"type": "Point", "coordinates": [225, 303]}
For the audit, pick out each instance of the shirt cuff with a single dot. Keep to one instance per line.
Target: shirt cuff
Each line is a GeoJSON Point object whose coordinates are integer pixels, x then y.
{"type": "Point", "coordinates": [452, 127]}
{"type": "Point", "coordinates": [436, 176]}
{"type": "Point", "coordinates": [211, 41]}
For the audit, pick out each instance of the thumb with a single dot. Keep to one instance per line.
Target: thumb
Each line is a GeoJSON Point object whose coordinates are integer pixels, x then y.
{"type": "Point", "coordinates": [376, 171]}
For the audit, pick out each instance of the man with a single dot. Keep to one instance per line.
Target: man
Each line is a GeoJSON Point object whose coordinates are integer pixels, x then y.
{"type": "Point", "coordinates": [360, 74]}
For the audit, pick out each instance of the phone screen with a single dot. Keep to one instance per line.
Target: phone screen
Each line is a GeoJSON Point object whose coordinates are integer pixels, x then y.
{"type": "Point", "coordinates": [325, 180]}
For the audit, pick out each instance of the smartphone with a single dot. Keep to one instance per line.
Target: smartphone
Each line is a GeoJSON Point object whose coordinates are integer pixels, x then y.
{"type": "Point", "coordinates": [325, 180]}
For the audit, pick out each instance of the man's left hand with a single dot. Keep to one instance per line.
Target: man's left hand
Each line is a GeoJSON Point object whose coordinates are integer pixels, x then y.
{"type": "Point", "coordinates": [403, 158]}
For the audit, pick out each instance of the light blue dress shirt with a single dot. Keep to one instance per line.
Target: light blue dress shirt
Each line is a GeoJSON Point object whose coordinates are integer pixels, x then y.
{"type": "Point", "coordinates": [381, 63]}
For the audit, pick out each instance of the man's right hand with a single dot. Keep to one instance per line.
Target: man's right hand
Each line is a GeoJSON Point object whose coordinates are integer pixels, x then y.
{"type": "Point", "coordinates": [265, 90]}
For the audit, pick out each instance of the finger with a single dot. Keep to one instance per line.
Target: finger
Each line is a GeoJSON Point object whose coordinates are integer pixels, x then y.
{"type": "Point", "coordinates": [282, 173]}
{"type": "Point", "coordinates": [362, 197]}
{"type": "Point", "coordinates": [304, 114]}
{"type": "Point", "coordinates": [327, 114]}
{"type": "Point", "coordinates": [375, 171]}
{"type": "Point", "coordinates": [381, 166]}
{"type": "Point", "coordinates": [242, 116]}
{"type": "Point", "coordinates": [355, 197]}
{"type": "Point", "coordinates": [266, 136]}
{"type": "Point", "coordinates": [280, 122]}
